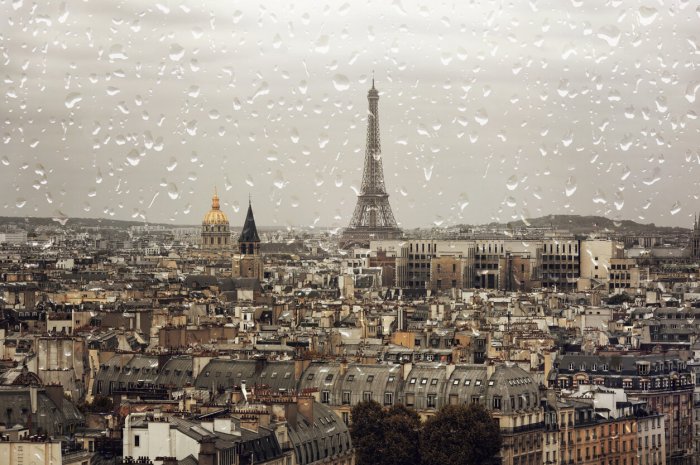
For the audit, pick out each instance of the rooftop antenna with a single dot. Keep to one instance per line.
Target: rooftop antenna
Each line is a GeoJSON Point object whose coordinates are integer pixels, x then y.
{"type": "Point", "coordinates": [372, 79]}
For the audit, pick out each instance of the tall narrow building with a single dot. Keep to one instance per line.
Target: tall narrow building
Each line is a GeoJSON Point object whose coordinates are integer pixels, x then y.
{"type": "Point", "coordinates": [373, 218]}
{"type": "Point", "coordinates": [695, 239]}
{"type": "Point", "coordinates": [248, 263]}
{"type": "Point", "coordinates": [216, 236]}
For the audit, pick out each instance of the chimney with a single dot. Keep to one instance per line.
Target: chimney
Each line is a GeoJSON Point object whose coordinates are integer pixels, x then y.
{"type": "Point", "coordinates": [548, 365]}
{"type": "Point", "coordinates": [290, 413]}
{"type": "Point", "coordinates": [222, 425]}
{"type": "Point", "coordinates": [207, 452]}
{"type": "Point", "coordinates": [490, 369]}
{"type": "Point", "coordinates": [167, 460]}
{"type": "Point", "coordinates": [406, 369]}
{"type": "Point", "coordinates": [305, 406]}
{"type": "Point", "coordinates": [249, 422]}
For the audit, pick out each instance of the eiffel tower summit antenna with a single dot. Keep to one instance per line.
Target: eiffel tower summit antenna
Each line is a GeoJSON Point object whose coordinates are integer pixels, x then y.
{"type": "Point", "coordinates": [373, 218]}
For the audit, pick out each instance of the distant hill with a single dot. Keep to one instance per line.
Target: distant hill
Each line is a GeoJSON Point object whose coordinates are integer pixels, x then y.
{"type": "Point", "coordinates": [33, 222]}
{"type": "Point", "coordinates": [586, 224]}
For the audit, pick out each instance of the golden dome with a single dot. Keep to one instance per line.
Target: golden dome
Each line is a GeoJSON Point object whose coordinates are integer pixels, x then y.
{"type": "Point", "coordinates": [215, 215]}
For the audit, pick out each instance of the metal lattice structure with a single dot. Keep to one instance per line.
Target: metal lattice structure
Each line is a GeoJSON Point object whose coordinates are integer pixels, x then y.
{"type": "Point", "coordinates": [373, 218]}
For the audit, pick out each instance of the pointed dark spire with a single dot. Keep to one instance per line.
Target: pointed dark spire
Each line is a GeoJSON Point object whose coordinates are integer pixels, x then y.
{"type": "Point", "coordinates": [250, 232]}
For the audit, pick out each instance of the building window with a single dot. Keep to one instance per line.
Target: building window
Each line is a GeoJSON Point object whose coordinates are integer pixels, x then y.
{"type": "Point", "coordinates": [370, 378]}
{"type": "Point", "coordinates": [367, 396]}
{"type": "Point", "coordinates": [497, 403]}
{"type": "Point", "coordinates": [351, 377]}
{"type": "Point", "coordinates": [325, 397]}
{"type": "Point", "coordinates": [346, 417]}
{"type": "Point", "coordinates": [410, 400]}
{"type": "Point", "coordinates": [329, 378]}
{"type": "Point", "coordinates": [137, 440]}
{"type": "Point", "coordinates": [388, 398]}
{"type": "Point", "coordinates": [346, 397]}
{"type": "Point", "coordinates": [432, 400]}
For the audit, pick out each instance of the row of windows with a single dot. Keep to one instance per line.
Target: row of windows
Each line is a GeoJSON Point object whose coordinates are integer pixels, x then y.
{"type": "Point", "coordinates": [212, 241]}
{"type": "Point", "coordinates": [218, 228]}
{"type": "Point", "coordinates": [351, 377]}
{"type": "Point", "coordinates": [421, 248]}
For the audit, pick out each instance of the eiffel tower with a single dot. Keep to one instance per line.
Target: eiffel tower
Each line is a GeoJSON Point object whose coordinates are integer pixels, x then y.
{"type": "Point", "coordinates": [373, 218]}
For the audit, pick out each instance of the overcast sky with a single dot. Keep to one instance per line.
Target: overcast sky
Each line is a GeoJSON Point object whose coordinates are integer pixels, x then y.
{"type": "Point", "coordinates": [488, 110]}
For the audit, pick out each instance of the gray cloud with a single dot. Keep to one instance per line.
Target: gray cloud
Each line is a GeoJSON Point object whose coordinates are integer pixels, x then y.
{"type": "Point", "coordinates": [243, 96]}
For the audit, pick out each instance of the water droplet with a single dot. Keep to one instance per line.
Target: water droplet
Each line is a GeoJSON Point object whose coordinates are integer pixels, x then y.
{"type": "Point", "coordinates": [619, 201]}
{"type": "Point", "coordinates": [72, 99]}
{"type": "Point", "coordinates": [133, 157]}
{"type": "Point", "coordinates": [322, 44]}
{"type": "Point", "coordinates": [599, 197]}
{"type": "Point", "coordinates": [647, 15]}
{"type": "Point", "coordinates": [172, 164]}
{"type": "Point", "coordinates": [625, 173]}
{"type": "Point", "coordinates": [116, 52]}
{"type": "Point", "coordinates": [428, 172]}
{"type": "Point", "coordinates": [463, 201]}
{"type": "Point", "coordinates": [570, 186]}
{"type": "Point", "coordinates": [512, 183]}
{"type": "Point", "coordinates": [675, 208]}
{"type": "Point", "coordinates": [60, 218]}
{"type": "Point", "coordinates": [176, 52]}
{"type": "Point", "coordinates": [249, 180]}
{"type": "Point", "coordinates": [341, 83]}
{"type": "Point", "coordinates": [20, 202]}
{"type": "Point", "coordinates": [173, 193]}
{"type": "Point", "coordinates": [481, 117]}
{"type": "Point", "coordinates": [611, 34]}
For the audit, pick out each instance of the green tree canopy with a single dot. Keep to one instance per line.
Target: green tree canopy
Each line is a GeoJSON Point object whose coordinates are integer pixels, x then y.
{"type": "Point", "coordinates": [401, 436]}
{"type": "Point", "coordinates": [619, 299]}
{"type": "Point", "coordinates": [367, 431]}
{"type": "Point", "coordinates": [385, 437]}
{"type": "Point", "coordinates": [461, 435]}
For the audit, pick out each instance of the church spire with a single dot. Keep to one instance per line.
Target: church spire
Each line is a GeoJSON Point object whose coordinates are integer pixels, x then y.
{"type": "Point", "coordinates": [215, 200]}
{"type": "Point", "coordinates": [249, 233]}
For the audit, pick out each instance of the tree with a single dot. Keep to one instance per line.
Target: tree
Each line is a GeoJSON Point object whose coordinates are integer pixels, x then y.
{"type": "Point", "coordinates": [461, 435]}
{"type": "Point", "coordinates": [367, 432]}
{"type": "Point", "coordinates": [402, 427]}
{"type": "Point", "coordinates": [102, 404]}
{"type": "Point", "coordinates": [385, 437]}
{"type": "Point", "coordinates": [619, 299]}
